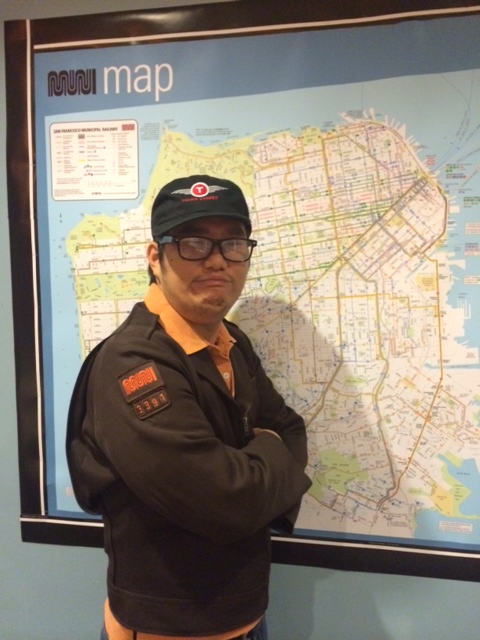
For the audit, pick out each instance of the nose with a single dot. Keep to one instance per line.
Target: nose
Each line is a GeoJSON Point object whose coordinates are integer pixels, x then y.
{"type": "Point", "coordinates": [215, 260]}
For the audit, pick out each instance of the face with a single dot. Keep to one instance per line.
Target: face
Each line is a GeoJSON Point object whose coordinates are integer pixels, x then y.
{"type": "Point", "coordinates": [202, 291]}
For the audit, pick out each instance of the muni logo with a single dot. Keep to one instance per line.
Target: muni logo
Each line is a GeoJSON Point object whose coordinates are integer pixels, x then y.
{"type": "Point", "coordinates": [72, 83]}
{"type": "Point", "coordinates": [138, 380]}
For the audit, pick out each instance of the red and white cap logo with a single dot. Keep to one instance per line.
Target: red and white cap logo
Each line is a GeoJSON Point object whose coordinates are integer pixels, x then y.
{"type": "Point", "coordinates": [199, 190]}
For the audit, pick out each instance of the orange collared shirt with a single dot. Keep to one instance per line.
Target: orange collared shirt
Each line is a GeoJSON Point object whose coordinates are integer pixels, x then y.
{"type": "Point", "coordinates": [182, 332]}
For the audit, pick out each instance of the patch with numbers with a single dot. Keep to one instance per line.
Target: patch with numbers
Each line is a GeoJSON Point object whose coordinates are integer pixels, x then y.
{"type": "Point", "coordinates": [144, 388]}
{"type": "Point", "coordinates": [148, 405]}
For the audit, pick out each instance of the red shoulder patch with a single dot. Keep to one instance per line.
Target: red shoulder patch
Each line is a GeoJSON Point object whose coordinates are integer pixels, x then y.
{"type": "Point", "coordinates": [143, 387]}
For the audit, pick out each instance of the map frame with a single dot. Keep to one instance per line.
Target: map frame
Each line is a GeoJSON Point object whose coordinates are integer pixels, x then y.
{"type": "Point", "coordinates": [23, 40]}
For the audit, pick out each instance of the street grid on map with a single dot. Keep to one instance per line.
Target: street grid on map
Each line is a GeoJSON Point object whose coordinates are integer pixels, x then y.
{"type": "Point", "coordinates": [346, 303]}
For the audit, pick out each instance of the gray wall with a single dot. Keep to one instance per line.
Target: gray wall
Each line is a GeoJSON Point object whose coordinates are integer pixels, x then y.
{"type": "Point", "coordinates": [56, 593]}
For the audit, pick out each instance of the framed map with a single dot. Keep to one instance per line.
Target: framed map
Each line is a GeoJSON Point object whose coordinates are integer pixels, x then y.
{"type": "Point", "coordinates": [355, 135]}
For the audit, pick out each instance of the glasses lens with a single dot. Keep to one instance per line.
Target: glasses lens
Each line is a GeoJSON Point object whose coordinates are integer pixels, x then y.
{"type": "Point", "coordinates": [236, 249]}
{"type": "Point", "coordinates": [194, 248]}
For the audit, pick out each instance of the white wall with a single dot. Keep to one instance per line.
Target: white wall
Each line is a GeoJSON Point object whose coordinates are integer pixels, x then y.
{"type": "Point", "coordinates": [56, 593]}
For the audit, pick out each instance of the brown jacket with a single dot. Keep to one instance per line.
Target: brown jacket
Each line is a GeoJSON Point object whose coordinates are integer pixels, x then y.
{"type": "Point", "coordinates": [158, 446]}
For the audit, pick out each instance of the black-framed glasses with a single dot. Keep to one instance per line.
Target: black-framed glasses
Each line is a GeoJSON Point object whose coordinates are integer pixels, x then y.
{"type": "Point", "coordinates": [198, 248]}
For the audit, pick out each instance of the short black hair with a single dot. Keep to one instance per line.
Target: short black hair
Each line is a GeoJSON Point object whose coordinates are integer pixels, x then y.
{"type": "Point", "coordinates": [151, 276]}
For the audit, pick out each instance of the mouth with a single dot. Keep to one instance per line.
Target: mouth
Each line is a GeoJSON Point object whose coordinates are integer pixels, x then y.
{"type": "Point", "coordinates": [213, 282]}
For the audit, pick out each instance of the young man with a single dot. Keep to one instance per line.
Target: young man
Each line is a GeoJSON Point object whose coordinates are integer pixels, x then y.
{"type": "Point", "coordinates": [178, 439]}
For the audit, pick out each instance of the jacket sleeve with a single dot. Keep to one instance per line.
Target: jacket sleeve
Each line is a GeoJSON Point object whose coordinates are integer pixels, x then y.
{"type": "Point", "coordinates": [275, 415]}
{"type": "Point", "coordinates": [171, 456]}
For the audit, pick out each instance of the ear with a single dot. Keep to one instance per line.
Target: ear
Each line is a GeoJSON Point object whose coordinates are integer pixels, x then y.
{"type": "Point", "coordinates": [153, 258]}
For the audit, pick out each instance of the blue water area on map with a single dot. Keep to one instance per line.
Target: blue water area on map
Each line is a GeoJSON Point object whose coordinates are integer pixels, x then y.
{"type": "Point", "coordinates": [461, 295]}
{"type": "Point", "coordinates": [428, 528]}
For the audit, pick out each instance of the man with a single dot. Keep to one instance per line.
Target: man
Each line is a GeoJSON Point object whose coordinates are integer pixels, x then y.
{"type": "Point", "coordinates": [178, 439]}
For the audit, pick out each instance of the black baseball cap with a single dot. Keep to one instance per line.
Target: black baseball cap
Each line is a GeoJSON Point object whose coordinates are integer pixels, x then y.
{"type": "Point", "coordinates": [198, 196]}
